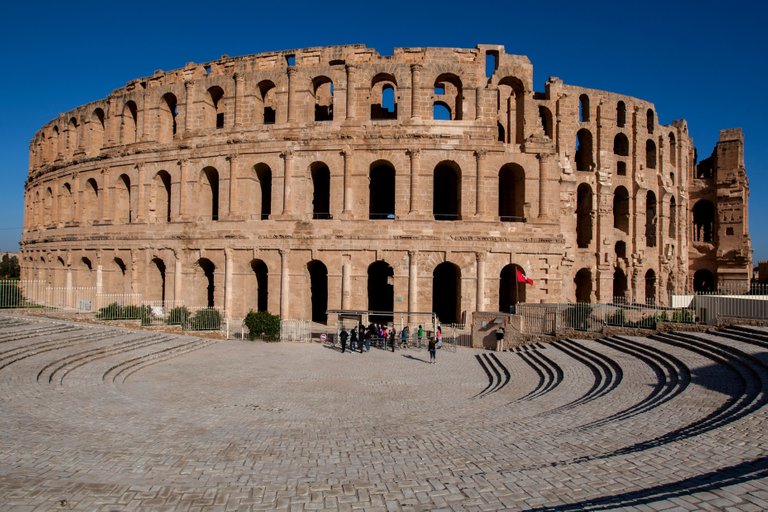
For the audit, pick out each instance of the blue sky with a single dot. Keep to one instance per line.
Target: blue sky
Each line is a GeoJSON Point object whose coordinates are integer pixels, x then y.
{"type": "Point", "coordinates": [703, 61]}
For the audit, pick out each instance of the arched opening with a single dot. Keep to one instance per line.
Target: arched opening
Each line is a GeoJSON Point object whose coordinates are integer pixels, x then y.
{"type": "Point", "coordinates": [72, 137]}
{"type": "Point", "coordinates": [650, 219]}
{"type": "Point", "coordinates": [53, 144]}
{"type": "Point", "coordinates": [448, 92]}
{"type": "Point", "coordinates": [502, 137]}
{"type": "Point", "coordinates": [118, 281]}
{"type": "Point", "coordinates": [510, 291]}
{"type": "Point", "coordinates": [268, 101]}
{"type": "Point", "coordinates": [446, 192]}
{"type": "Point", "coordinates": [621, 168]}
{"type": "Point", "coordinates": [167, 118]}
{"type": "Point", "coordinates": [621, 114]}
{"type": "Point", "coordinates": [66, 203]}
{"type": "Point", "coordinates": [264, 177]}
{"type": "Point", "coordinates": [583, 281]}
{"type": "Point", "coordinates": [322, 88]}
{"type": "Point", "coordinates": [583, 108]}
{"type": "Point", "coordinates": [156, 280]}
{"type": "Point", "coordinates": [545, 117]}
{"type": "Point", "coordinates": [446, 293]}
{"type": "Point", "coordinates": [621, 249]}
{"type": "Point", "coordinates": [318, 288]}
{"type": "Point", "coordinates": [209, 193]}
{"type": "Point", "coordinates": [511, 96]}
{"type": "Point", "coordinates": [704, 221]}
{"type": "Point", "coordinates": [621, 145]}
{"type": "Point", "coordinates": [321, 191]}
{"type": "Point", "coordinates": [511, 193]}
{"type": "Point", "coordinates": [584, 159]}
{"type": "Point", "coordinates": [122, 203]}
{"type": "Point", "coordinates": [650, 287]}
{"type": "Point", "coordinates": [383, 97]}
{"type": "Point", "coordinates": [619, 286]}
{"type": "Point", "coordinates": [91, 200]}
{"type": "Point", "coordinates": [672, 218]}
{"type": "Point", "coordinates": [703, 281]}
{"type": "Point", "coordinates": [48, 206]}
{"type": "Point", "coordinates": [621, 209]}
{"type": "Point", "coordinates": [215, 107]}
{"type": "Point", "coordinates": [161, 197]}
{"type": "Point", "coordinates": [86, 279]}
{"type": "Point", "coordinates": [650, 154]}
{"type": "Point", "coordinates": [261, 273]}
{"type": "Point", "coordinates": [441, 111]}
{"type": "Point", "coordinates": [650, 121]}
{"type": "Point", "coordinates": [209, 270]}
{"type": "Point", "coordinates": [381, 290]}
{"type": "Point", "coordinates": [96, 131]}
{"type": "Point", "coordinates": [128, 123]}
{"type": "Point", "coordinates": [584, 216]}
{"type": "Point", "coordinates": [381, 191]}
{"type": "Point", "coordinates": [672, 149]}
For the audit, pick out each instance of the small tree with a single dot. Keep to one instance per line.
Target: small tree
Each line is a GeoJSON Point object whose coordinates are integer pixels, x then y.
{"type": "Point", "coordinates": [206, 320]}
{"type": "Point", "coordinates": [262, 324]}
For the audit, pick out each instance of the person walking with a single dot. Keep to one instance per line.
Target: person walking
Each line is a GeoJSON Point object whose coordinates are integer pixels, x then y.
{"type": "Point", "coordinates": [343, 338]}
{"type": "Point", "coordinates": [353, 338]}
{"type": "Point", "coordinates": [404, 337]}
{"type": "Point", "coordinates": [500, 338]}
{"type": "Point", "coordinates": [420, 335]}
{"type": "Point", "coordinates": [439, 336]}
{"type": "Point", "coordinates": [392, 338]}
{"type": "Point", "coordinates": [432, 350]}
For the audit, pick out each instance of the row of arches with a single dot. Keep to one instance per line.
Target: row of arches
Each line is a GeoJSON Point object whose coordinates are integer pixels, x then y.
{"type": "Point", "coordinates": [64, 204]}
{"type": "Point", "coordinates": [585, 114]}
{"type": "Point", "coordinates": [584, 154]}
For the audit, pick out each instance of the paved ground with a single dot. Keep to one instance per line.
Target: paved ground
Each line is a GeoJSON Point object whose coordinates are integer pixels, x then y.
{"type": "Point", "coordinates": [97, 418]}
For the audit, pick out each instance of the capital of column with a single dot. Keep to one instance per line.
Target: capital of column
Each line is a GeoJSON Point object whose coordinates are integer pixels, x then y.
{"type": "Point", "coordinates": [188, 84]}
{"type": "Point", "coordinates": [480, 154]}
{"type": "Point", "coordinates": [292, 70]}
{"type": "Point", "coordinates": [238, 77]}
{"type": "Point", "coordinates": [287, 154]}
{"type": "Point", "coordinates": [351, 68]}
{"type": "Point", "coordinates": [413, 153]}
{"type": "Point", "coordinates": [416, 68]}
{"type": "Point", "coordinates": [481, 257]}
{"type": "Point", "coordinates": [232, 158]}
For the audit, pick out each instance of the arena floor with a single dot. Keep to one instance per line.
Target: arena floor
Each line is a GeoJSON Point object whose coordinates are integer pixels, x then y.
{"type": "Point", "coordinates": [111, 419]}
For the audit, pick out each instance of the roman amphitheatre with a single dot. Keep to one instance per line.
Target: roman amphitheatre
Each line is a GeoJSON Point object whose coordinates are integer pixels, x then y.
{"type": "Point", "coordinates": [322, 179]}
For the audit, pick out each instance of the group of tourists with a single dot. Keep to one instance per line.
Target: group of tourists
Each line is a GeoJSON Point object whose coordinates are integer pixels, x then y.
{"type": "Point", "coordinates": [361, 338]}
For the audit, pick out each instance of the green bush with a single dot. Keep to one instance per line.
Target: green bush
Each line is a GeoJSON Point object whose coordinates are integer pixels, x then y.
{"type": "Point", "coordinates": [116, 311]}
{"type": "Point", "coordinates": [206, 320]}
{"type": "Point", "coordinates": [178, 316]}
{"type": "Point", "coordinates": [262, 324]}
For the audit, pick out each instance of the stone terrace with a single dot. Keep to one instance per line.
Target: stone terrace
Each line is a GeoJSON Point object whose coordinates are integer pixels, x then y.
{"type": "Point", "coordinates": [101, 418]}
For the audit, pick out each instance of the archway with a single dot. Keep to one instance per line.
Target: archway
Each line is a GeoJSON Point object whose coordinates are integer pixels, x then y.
{"type": "Point", "coordinates": [381, 290]}
{"type": "Point", "coordinates": [510, 291]}
{"type": "Point", "coordinates": [446, 292]}
{"type": "Point", "coordinates": [619, 286]}
{"type": "Point", "coordinates": [703, 281]}
{"type": "Point", "coordinates": [261, 273]}
{"type": "Point", "coordinates": [318, 288]}
{"type": "Point", "coordinates": [583, 281]}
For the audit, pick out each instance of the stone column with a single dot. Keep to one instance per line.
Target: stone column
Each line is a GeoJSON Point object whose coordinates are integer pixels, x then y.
{"type": "Point", "coordinates": [287, 157]}
{"type": "Point", "coordinates": [190, 88]}
{"type": "Point", "coordinates": [480, 301]}
{"type": "Point", "coordinates": [291, 94]}
{"type": "Point", "coordinates": [415, 90]}
{"type": "Point", "coordinates": [134, 272]}
{"type": "Point", "coordinates": [347, 156]}
{"type": "Point", "coordinates": [548, 202]}
{"type": "Point", "coordinates": [283, 283]}
{"type": "Point", "coordinates": [69, 299]}
{"type": "Point", "coordinates": [414, 157]}
{"type": "Point", "coordinates": [99, 283]}
{"type": "Point", "coordinates": [479, 196]}
{"type": "Point", "coordinates": [182, 189]}
{"type": "Point", "coordinates": [111, 124]}
{"type": "Point", "coordinates": [141, 208]}
{"type": "Point", "coordinates": [351, 75]}
{"type": "Point", "coordinates": [346, 283]}
{"type": "Point", "coordinates": [413, 270]}
{"type": "Point", "coordinates": [177, 278]}
{"type": "Point", "coordinates": [232, 199]}
{"type": "Point", "coordinates": [104, 201]}
{"type": "Point", "coordinates": [239, 98]}
{"type": "Point", "coordinates": [228, 283]}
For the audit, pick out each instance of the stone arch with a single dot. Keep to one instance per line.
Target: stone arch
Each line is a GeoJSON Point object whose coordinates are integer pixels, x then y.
{"type": "Point", "coordinates": [73, 139]}
{"type": "Point", "coordinates": [650, 120]}
{"type": "Point", "coordinates": [704, 214]}
{"type": "Point", "coordinates": [66, 203]}
{"type": "Point", "coordinates": [449, 92]}
{"type": "Point", "coordinates": [651, 220]}
{"type": "Point", "coordinates": [85, 277]}
{"type": "Point", "coordinates": [583, 108]}
{"type": "Point", "coordinates": [267, 96]}
{"type": "Point", "coordinates": [584, 158]}
{"type": "Point", "coordinates": [621, 114]}
{"type": "Point", "coordinates": [49, 217]}
{"type": "Point", "coordinates": [511, 193]}
{"type": "Point", "coordinates": [446, 191]}
{"type": "Point", "coordinates": [91, 200]}
{"type": "Point", "coordinates": [381, 290]}
{"type": "Point", "coordinates": [322, 91]}
{"type": "Point", "coordinates": [672, 149]}
{"type": "Point", "coordinates": [166, 119]}
{"type": "Point", "coordinates": [545, 118]}
{"type": "Point", "coordinates": [122, 200]}
{"type": "Point", "coordinates": [96, 129]}
{"type": "Point", "coordinates": [620, 145]}
{"type": "Point", "coordinates": [381, 190]}
{"type": "Point", "coordinates": [619, 286]}
{"type": "Point", "coordinates": [129, 123]}
{"type": "Point", "coordinates": [209, 193]}
{"type": "Point", "coordinates": [621, 209]}
{"type": "Point", "coordinates": [160, 197]}
{"type": "Point", "coordinates": [383, 97]}
{"type": "Point", "coordinates": [53, 144]}
{"type": "Point", "coordinates": [156, 280]}
{"type": "Point", "coordinates": [511, 292]}
{"type": "Point", "coordinates": [258, 289]}
{"type": "Point", "coordinates": [321, 190]}
{"type": "Point", "coordinates": [650, 287]}
{"type": "Point", "coordinates": [584, 213]}
{"type": "Point", "coordinates": [446, 292]}
{"type": "Point", "coordinates": [650, 154]}
{"type": "Point", "coordinates": [672, 218]}
{"type": "Point", "coordinates": [117, 279]}
{"type": "Point", "coordinates": [318, 288]}
{"type": "Point", "coordinates": [205, 279]}
{"type": "Point", "coordinates": [511, 112]}
{"type": "Point", "coordinates": [704, 281]}
{"type": "Point", "coordinates": [264, 177]}
{"type": "Point", "coordinates": [214, 108]}
{"type": "Point", "coordinates": [583, 282]}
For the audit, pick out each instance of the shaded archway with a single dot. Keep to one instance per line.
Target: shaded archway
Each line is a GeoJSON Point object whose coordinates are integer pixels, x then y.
{"type": "Point", "coordinates": [583, 215]}
{"type": "Point", "coordinates": [584, 159]}
{"type": "Point", "coordinates": [209, 193]}
{"type": "Point", "coordinates": [209, 270]}
{"type": "Point", "coordinates": [446, 292]}
{"type": "Point", "coordinates": [650, 219]}
{"type": "Point", "coordinates": [381, 290]}
{"type": "Point", "coordinates": [318, 289]}
{"type": "Point", "coordinates": [621, 209]}
{"type": "Point", "coordinates": [381, 191]}
{"type": "Point", "coordinates": [619, 286]}
{"type": "Point", "coordinates": [156, 280]}
{"type": "Point", "coordinates": [510, 291]}
{"type": "Point", "coordinates": [703, 281]}
{"type": "Point", "coordinates": [511, 193]}
{"type": "Point", "coordinates": [161, 197]}
{"type": "Point", "coordinates": [261, 273]}
{"type": "Point", "coordinates": [264, 177]}
{"type": "Point", "coordinates": [446, 191]}
{"type": "Point", "coordinates": [650, 287]}
{"type": "Point", "coordinates": [321, 190]}
{"type": "Point", "coordinates": [583, 281]}
{"type": "Point", "coordinates": [122, 200]}
{"type": "Point", "coordinates": [704, 221]}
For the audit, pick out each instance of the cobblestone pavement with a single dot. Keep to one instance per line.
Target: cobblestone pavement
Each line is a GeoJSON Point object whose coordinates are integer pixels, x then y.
{"type": "Point", "coordinates": [110, 419]}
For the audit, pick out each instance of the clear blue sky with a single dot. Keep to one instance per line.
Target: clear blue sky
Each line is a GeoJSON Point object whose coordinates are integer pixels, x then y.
{"type": "Point", "coordinates": [704, 61]}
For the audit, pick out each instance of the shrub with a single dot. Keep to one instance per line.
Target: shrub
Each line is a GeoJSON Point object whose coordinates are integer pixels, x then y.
{"type": "Point", "coordinates": [116, 311]}
{"type": "Point", "coordinates": [206, 320]}
{"type": "Point", "coordinates": [262, 324]}
{"type": "Point", "coordinates": [178, 316]}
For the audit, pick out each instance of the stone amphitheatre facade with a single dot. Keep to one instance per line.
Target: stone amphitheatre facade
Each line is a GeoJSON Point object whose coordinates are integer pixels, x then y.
{"type": "Point", "coordinates": [337, 178]}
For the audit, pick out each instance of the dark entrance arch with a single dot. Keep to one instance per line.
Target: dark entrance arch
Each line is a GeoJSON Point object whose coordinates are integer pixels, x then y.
{"type": "Point", "coordinates": [583, 282]}
{"type": "Point", "coordinates": [703, 281]}
{"type": "Point", "coordinates": [208, 269]}
{"type": "Point", "coordinates": [381, 193]}
{"type": "Point", "coordinates": [510, 291]}
{"type": "Point", "coordinates": [446, 192]}
{"type": "Point", "coordinates": [381, 290]}
{"type": "Point", "coordinates": [318, 287]}
{"type": "Point", "coordinates": [262, 284]}
{"type": "Point", "coordinates": [160, 266]}
{"type": "Point", "coordinates": [446, 292]}
{"type": "Point", "coordinates": [619, 286]}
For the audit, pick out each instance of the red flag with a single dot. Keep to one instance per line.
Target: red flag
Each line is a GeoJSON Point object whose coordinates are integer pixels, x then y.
{"type": "Point", "coordinates": [522, 278]}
